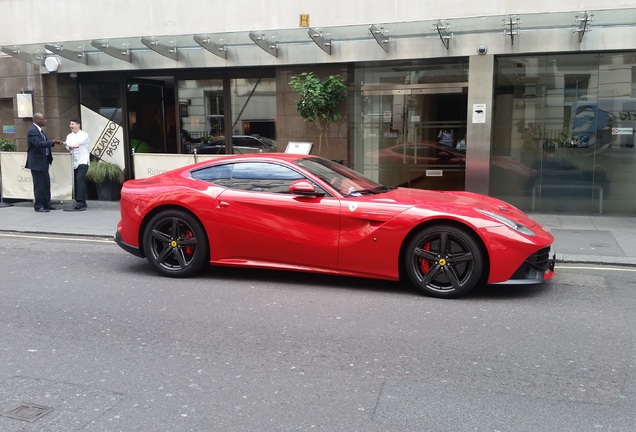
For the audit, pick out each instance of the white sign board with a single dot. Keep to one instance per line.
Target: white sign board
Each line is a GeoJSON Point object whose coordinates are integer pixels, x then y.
{"type": "Point", "coordinates": [298, 147]}
{"type": "Point", "coordinates": [106, 137]}
{"type": "Point", "coordinates": [17, 181]}
{"type": "Point", "coordinates": [622, 131]}
{"type": "Point", "coordinates": [479, 113]}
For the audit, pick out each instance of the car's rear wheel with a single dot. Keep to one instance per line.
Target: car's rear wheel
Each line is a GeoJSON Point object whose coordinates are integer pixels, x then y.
{"type": "Point", "coordinates": [175, 243]}
{"type": "Point", "coordinates": [444, 261]}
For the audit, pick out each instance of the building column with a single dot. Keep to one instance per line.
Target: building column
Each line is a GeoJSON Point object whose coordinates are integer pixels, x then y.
{"type": "Point", "coordinates": [481, 73]}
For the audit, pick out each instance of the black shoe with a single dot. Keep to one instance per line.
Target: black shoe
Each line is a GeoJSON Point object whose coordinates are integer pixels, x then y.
{"type": "Point", "coordinates": [42, 210]}
{"type": "Point", "coordinates": [79, 206]}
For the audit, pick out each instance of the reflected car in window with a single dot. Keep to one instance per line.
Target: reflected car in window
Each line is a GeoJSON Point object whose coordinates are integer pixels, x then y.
{"type": "Point", "coordinates": [305, 213]}
{"type": "Point", "coordinates": [241, 144]}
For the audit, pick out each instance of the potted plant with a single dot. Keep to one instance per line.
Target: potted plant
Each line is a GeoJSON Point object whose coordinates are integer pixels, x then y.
{"type": "Point", "coordinates": [108, 177]}
{"type": "Point", "coordinates": [319, 101]}
{"type": "Point", "coordinates": [6, 145]}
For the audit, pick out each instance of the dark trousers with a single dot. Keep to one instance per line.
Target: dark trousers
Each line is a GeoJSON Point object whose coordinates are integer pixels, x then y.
{"type": "Point", "coordinates": [41, 189]}
{"type": "Point", "coordinates": [80, 184]}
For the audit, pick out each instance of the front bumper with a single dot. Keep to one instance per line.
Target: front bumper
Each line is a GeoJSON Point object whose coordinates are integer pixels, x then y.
{"type": "Point", "coordinates": [536, 269]}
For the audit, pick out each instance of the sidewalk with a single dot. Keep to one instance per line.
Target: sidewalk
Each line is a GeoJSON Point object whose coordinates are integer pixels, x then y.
{"type": "Point", "coordinates": [99, 220]}
{"type": "Point", "coordinates": [607, 240]}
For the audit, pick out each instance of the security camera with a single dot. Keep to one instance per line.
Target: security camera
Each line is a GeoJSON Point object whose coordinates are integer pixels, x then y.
{"type": "Point", "coordinates": [482, 49]}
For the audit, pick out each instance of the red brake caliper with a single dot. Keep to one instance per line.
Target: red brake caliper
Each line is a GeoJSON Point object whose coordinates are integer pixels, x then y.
{"type": "Point", "coordinates": [189, 250]}
{"type": "Point", "coordinates": [424, 264]}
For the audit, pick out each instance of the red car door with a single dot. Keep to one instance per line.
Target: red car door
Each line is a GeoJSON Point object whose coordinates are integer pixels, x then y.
{"type": "Point", "coordinates": [268, 226]}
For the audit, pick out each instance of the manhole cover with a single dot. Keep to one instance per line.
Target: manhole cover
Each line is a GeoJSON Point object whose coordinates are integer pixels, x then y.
{"type": "Point", "coordinates": [27, 411]}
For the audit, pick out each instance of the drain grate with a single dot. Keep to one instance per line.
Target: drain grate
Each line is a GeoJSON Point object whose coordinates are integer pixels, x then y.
{"type": "Point", "coordinates": [27, 411]}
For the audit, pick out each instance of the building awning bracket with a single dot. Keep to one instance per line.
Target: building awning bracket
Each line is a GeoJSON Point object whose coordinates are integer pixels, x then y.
{"type": "Point", "coordinates": [37, 59]}
{"type": "Point", "coordinates": [511, 27]}
{"type": "Point", "coordinates": [324, 43]}
{"type": "Point", "coordinates": [382, 39]}
{"type": "Point", "coordinates": [443, 32]}
{"type": "Point", "coordinates": [582, 24]}
{"type": "Point", "coordinates": [216, 48]}
{"type": "Point", "coordinates": [76, 56]}
{"type": "Point", "coordinates": [116, 52]}
{"type": "Point", "coordinates": [163, 49]}
{"type": "Point", "coordinates": [265, 44]}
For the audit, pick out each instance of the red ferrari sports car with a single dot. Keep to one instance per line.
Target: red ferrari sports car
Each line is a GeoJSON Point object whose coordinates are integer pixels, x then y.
{"type": "Point", "coordinates": [305, 213]}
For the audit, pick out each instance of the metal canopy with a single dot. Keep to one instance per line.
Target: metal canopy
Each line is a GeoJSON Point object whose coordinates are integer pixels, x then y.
{"type": "Point", "coordinates": [220, 44]}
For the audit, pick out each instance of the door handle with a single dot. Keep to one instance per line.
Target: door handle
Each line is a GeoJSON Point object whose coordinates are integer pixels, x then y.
{"type": "Point", "coordinates": [223, 204]}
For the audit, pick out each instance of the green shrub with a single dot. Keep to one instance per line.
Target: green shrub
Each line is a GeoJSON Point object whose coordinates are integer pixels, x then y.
{"type": "Point", "coordinates": [101, 172]}
{"type": "Point", "coordinates": [7, 145]}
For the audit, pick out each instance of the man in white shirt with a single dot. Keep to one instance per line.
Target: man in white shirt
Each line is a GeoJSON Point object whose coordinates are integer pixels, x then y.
{"type": "Point", "coordinates": [77, 143]}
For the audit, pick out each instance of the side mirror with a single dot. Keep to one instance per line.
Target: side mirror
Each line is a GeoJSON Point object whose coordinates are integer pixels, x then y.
{"type": "Point", "coordinates": [305, 189]}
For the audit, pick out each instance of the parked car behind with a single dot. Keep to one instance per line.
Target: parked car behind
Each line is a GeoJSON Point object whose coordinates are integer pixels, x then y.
{"type": "Point", "coordinates": [241, 143]}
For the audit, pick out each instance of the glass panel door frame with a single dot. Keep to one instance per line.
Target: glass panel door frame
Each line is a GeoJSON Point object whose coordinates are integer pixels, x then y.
{"type": "Point", "coordinates": [401, 124]}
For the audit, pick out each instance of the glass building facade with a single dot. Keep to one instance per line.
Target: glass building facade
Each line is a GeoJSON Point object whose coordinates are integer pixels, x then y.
{"type": "Point", "coordinates": [540, 115]}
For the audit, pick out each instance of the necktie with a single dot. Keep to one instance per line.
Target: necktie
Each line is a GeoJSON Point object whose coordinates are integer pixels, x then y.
{"type": "Point", "coordinates": [44, 137]}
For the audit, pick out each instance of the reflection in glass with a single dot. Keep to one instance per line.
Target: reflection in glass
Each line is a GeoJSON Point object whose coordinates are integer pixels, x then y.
{"type": "Point", "coordinates": [567, 122]}
{"type": "Point", "coordinates": [413, 123]}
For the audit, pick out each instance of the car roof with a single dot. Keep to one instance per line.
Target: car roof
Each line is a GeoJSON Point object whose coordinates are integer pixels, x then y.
{"type": "Point", "coordinates": [287, 157]}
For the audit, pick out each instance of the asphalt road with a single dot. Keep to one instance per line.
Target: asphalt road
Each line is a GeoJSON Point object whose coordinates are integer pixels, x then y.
{"type": "Point", "coordinates": [94, 334]}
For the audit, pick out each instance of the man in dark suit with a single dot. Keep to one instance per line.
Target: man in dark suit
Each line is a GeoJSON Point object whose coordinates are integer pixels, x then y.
{"type": "Point", "coordinates": [39, 158]}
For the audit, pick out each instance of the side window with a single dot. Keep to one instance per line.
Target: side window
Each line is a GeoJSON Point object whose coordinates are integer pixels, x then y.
{"type": "Point", "coordinates": [240, 142]}
{"type": "Point", "coordinates": [218, 174]}
{"type": "Point", "coordinates": [263, 177]}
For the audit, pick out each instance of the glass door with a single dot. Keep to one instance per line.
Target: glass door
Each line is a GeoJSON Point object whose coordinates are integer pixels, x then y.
{"type": "Point", "coordinates": [415, 135]}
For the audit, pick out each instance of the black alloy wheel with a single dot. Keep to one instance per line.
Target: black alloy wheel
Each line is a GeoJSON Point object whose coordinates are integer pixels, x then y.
{"type": "Point", "coordinates": [175, 244]}
{"type": "Point", "coordinates": [444, 261]}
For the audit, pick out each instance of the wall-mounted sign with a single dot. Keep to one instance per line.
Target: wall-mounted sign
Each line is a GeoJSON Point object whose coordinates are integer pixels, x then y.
{"type": "Point", "coordinates": [25, 105]}
{"type": "Point", "coordinates": [479, 113]}
{"type": "Point", "coordinates": [8, 129]}
{"type": "Point", "coordinates": [622, 131]}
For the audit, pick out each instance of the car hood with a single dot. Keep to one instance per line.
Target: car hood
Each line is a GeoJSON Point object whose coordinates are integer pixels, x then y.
{"type": "Point", "coordinates": [453, 202]}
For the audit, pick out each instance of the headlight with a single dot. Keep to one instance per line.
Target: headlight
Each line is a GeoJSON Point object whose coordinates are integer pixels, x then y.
{"type": "Point", "coordinates": [509, 223]}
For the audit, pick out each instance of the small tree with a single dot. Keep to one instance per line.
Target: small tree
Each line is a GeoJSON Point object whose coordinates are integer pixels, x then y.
{"type": "Point", "coordinates": [319, 100]}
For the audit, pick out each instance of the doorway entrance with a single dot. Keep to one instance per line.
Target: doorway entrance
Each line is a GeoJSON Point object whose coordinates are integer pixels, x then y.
{"type": "Point", "coordinates": [150, 105]}
{"type": "Point", "coordinates": [417, 134]}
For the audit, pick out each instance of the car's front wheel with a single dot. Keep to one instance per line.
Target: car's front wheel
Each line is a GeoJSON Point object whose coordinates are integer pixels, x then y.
{"type": "Point", "coordinates": [175, 244]}
{"type": "Point", "coordinates": [444, 261]}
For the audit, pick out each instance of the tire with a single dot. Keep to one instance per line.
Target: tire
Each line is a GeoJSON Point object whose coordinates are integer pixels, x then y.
{"type": "Point", "coordinates": [444, 261]}
{"type": "Point", "coordinates": [175, 244]}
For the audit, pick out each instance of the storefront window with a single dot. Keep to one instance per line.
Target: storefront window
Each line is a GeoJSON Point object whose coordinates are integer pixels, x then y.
{"type": "Point", "coordinates": [563, 135]}
{"type": "Point", "coordinates": [254, 107]}
{"type": "Point", "coordinates": [202, 112]}
{"type": "Point", "coordinates": [410, 123]}
{"type": "Point", "coordinates": [103, 97]}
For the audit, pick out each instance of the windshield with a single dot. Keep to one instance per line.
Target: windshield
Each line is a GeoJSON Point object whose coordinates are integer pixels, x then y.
{"type": "Point", "coordinates": [347, 181]}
